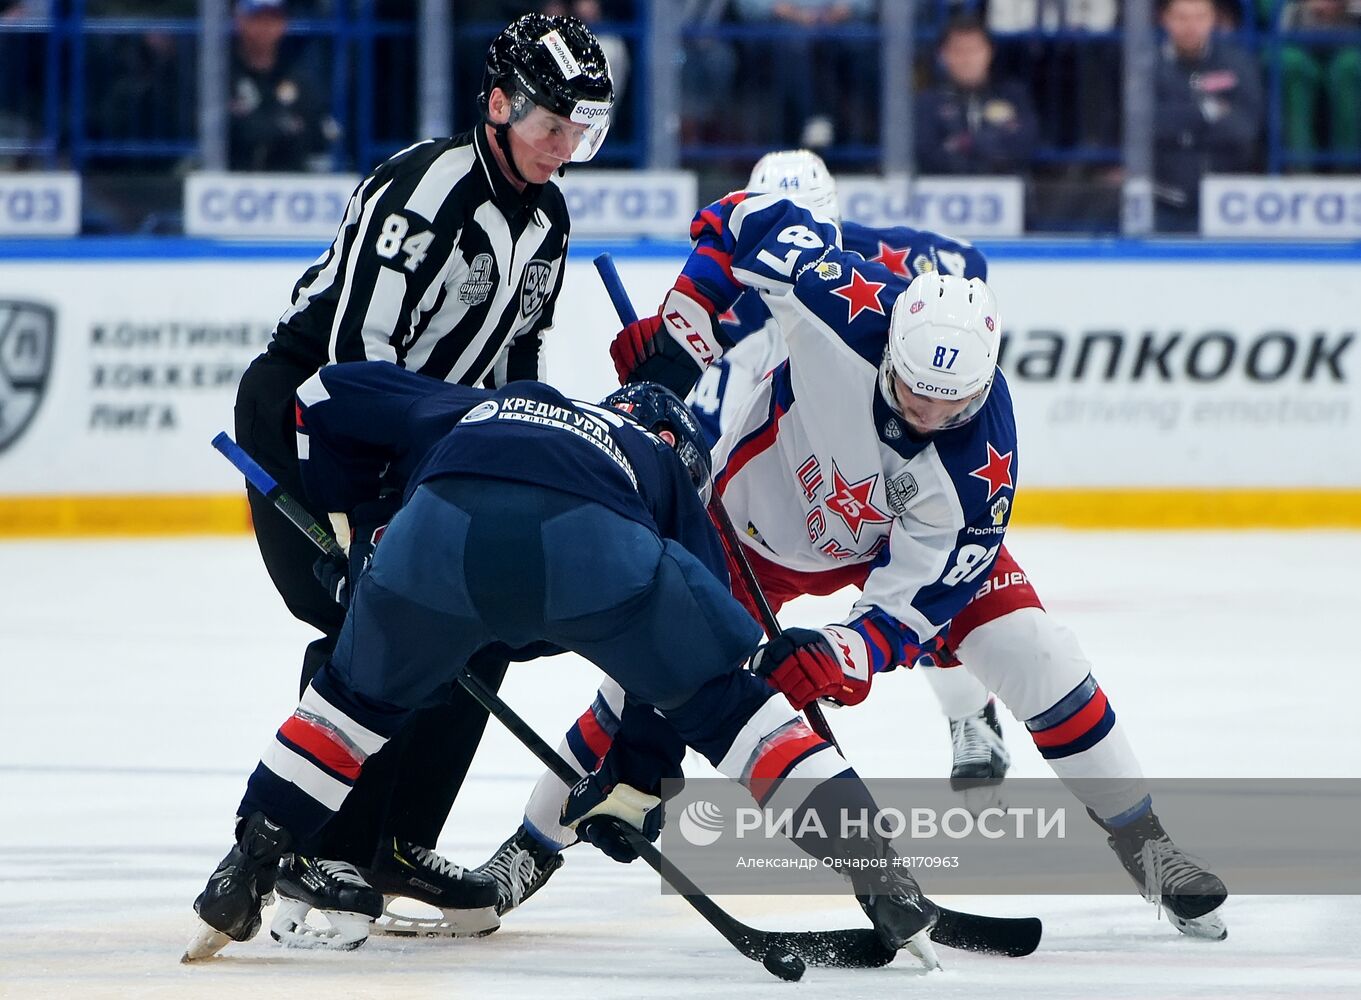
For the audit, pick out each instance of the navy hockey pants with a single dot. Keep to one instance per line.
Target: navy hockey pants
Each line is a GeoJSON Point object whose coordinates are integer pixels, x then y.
{"type": "Point", "coordinates": [468, 562]}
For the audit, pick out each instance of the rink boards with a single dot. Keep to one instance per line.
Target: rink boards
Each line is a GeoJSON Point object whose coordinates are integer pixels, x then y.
{"type": "Point", "coordinates": [1156, 385]}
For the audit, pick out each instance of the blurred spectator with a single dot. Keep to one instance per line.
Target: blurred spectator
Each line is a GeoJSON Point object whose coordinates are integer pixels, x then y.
{"type": "Point", "coordinates": [707, 74]}
{"type": "Point", "coordinates": [1074, 78]}
{"type": "Point", "coordinates": [806, 13]}
{"type": "Point", "coordinates": [823, 90]}
{"type": "Point", "coordinates": [1050, 16]}
{"type": "Point", "coordinates": [22, 58]}
{"type": "Point", "coordinates": [1208, 96]}
{"type": "Point", "coordinates": [141, 90]}
{"type": "Point", "coordinates": [1332, 72]}
{"type": "Point", "coordinates": [278, 111]}
{"type": "Point", "coordinates": [971, 124]}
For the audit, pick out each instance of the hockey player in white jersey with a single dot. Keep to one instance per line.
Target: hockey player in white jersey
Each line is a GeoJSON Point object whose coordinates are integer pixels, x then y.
{"type": "Point", "coordinates": [979, 757]}
{"type": "Point", "coordinates": [883, 454]}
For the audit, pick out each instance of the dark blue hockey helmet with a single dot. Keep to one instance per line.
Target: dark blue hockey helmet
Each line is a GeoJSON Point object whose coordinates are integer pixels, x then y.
{"type": "Point", "coordinates": [661, 411]}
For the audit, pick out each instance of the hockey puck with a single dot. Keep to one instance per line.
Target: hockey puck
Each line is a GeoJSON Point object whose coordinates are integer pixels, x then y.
{"type": "Point", "coordinates": [784, 965]}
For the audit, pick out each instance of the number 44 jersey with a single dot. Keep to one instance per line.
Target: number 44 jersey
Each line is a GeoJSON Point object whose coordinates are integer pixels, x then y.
{"type": "Point", "coordinates": [817, 470]}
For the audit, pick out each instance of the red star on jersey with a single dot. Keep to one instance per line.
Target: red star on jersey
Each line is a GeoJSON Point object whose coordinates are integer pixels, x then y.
{"type": "Point", "coordinates": [894, 260]}
{"type": "Point", "coordinates": [851, 502]}
{"type": "Point", "coordinates": [729, 316]}
{"type": "Point", "coordinates": [996, 471]}
{"type": "Point", "coordinates": [860, 294]}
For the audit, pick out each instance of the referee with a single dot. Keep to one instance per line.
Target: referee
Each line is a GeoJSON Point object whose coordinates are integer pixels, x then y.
{"type": "Point", "coordinates": [448, 262]}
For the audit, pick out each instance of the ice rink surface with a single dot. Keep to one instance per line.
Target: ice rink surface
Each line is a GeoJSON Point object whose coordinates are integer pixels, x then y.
{"type": "Point", "coordinates": [141, 679]}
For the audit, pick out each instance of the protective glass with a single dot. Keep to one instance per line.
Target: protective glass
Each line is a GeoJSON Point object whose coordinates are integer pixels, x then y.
{"type": "Point", "coordinates": [701, 475]}
{"type": "Point", "coordinates": [928, 414]}
{"type": "Point", "coordinates": [574, 139]}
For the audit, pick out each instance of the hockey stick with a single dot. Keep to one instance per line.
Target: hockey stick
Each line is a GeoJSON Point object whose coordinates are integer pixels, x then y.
{"type": "Point", "coordinates": [1011, 936]}
{"type": "Point", "coordinates": [769, 622]}
{"type": "Point", "coordinates": [623, 306]}
{"type": "Point", "coordinates": [858, 948]}
{"type": "Point", "coordinates": [275, 494]}
{"type": "Point", "coordinates": [783, 953]}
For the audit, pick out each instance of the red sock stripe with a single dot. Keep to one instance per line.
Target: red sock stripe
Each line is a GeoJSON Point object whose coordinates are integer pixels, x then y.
{"type": "Point", "coordinates": [596, 738]}
{"type": "Point", "coordinates": [322, 744]}
{"type": "Point", "coordinates": [779, 755]}
{"type": "Point", "coordinates": [1077, 725]}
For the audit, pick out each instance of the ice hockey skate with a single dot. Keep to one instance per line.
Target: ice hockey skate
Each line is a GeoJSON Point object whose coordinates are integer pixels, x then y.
{"type": "Point", "coordinates": [979, 758]}
{"type": "Point", "coordinates": [520, 867]}
{"type": "Point", "coordinates": [1178, 884]}
{"type": "Point", "coordinates": [902, 916]}
{"type": "Point", "coordinates": [333, 891]}
{"type": "Point", "coordinates": [229, 906]}
{"type": "Point", "coordinates": [466, 899]}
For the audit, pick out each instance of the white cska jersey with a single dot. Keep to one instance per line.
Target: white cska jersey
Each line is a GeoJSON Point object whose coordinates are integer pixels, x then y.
{"type": "Point", "coordinates": [817, 471]}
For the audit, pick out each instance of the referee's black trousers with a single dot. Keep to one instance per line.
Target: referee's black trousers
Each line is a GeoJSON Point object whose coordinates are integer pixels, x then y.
{"type": "Point", "coordinates": [407, 789]}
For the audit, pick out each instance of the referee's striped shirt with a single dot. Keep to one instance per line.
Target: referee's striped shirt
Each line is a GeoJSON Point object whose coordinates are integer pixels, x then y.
{"type": "Point", "coordinates": [440, 266]}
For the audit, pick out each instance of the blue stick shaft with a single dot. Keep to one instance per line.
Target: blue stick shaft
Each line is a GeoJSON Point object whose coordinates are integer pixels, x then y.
{"type": "Point", "coordinates": [271, 490]}
{"type": "Point", "coordinates": [246, 465]}
{"type": "Point", "coordinates": [609, 274]}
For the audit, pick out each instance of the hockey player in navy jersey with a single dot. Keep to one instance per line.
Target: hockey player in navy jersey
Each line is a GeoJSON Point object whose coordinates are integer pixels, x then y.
{"type": "Point", "coordinates": [598, 511]}
{"type": "Point", "coordinates": [979, 757]}
{"type": "Point", "coordinates": [882, 454]}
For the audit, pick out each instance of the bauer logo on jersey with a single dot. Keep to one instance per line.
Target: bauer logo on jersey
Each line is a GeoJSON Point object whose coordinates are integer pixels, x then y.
{"type": "Point", "coordinates": [477, 286]}
{"type": "Point", "coordinates": [27, 339]}
{"type": "Point", "coordinates": [901, 489]}
{"type": "Point", "coordinates": [534, 289]}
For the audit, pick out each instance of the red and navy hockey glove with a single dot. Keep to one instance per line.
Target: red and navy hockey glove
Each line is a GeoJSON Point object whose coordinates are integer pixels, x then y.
{"type": "Point", "coordinates": [801, 663]}
{"type": "Point", "coordinates": [672, 348]}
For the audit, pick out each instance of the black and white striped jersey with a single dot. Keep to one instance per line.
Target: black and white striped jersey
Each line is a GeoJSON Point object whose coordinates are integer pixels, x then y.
{"type": "Point", "coordinates": [440, 266]}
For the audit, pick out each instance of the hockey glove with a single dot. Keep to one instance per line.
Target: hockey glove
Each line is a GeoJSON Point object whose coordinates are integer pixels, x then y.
{"type": "Point", "coordinates": [833, 662]}
{"type": "Point", "coordinates": [604, 798]}
{"type": "Point", "coordinates": [672, 348]}
{"type": "Point", "coordinates": [339, 573]}
{"type": "Point", "coordinates": [802, 663]}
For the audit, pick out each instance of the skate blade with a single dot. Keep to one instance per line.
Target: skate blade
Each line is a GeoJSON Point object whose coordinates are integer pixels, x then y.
{"type": "Point", "coordinates": [344, 930]}
{"type": "Point", "coordinates": [920, 945]}
{"type": "Point", "coordinates": [449, 923]}
{"type": "Point", "coordinates": [206, 942]}
{"type": "Point", "coordinates": [1208, 927]}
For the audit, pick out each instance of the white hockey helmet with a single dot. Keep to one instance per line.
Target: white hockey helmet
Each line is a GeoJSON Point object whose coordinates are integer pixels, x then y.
{"type": "Point", "coordinates": [943, 338]}
{"type": "Point", "coordinates": [799, 175]}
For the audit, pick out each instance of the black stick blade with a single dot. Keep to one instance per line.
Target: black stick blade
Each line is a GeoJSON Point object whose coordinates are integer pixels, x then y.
{"type": "Point", "coordinates": [1014, 937]}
